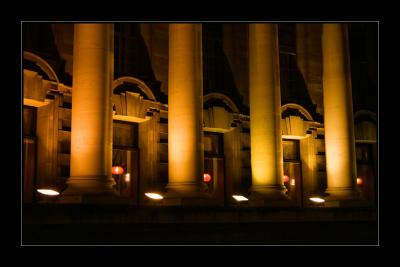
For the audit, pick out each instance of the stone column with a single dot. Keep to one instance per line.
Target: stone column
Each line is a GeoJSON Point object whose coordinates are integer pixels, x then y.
{"type": "Point", "coordinates": [265, 113]}
{"type": "Point", "coordinates": [338, 113]}
{"type": "Point", "coordinates": [91, 136]}
{"type": "Point", "coordinates": [185, 112]}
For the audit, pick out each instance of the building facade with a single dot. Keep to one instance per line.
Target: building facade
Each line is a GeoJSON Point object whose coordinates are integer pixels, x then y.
{"type": "Point", "coordinates": [281, 114]}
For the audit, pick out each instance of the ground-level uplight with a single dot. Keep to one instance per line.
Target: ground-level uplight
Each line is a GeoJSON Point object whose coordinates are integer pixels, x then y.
{"type": "Point", "coordinates": [240, 198]}
{"type": "Point", "coordinates": [317, 199]}
{"type": "Point", "coordinates": [48, 192]}
{"type": "Point", "coordinates": [154, 196]}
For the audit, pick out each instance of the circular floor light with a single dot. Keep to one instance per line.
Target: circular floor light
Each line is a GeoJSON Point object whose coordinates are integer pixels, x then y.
{"type": "Point", "coordinates": [48, 192]}
{"type": "Point", "coordinates": [317, 199]}
{"type": "Point", "coordinates": [154, 196]}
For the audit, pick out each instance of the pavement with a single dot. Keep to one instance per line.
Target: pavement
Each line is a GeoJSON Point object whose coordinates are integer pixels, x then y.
{"type": "Point", "coordinates": [127, 225]}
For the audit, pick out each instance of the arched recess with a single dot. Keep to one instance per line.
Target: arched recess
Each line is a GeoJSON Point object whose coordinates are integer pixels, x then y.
{"type": "Point", "coordinates": [142, 86]}
{"type": "Point", "coordinates": [365, 125]}
{"type": "Point", "coordinates": [299, 159]}
{"type": "Point", "coordinates": [366, 114]}
{"type": "Point", "coordinates": [298, 107]}
{"type": "Point", "coordinates": [223, 98]}
{"type": "Point", "coordinates": [42, 64]}
{"type": "Point", "coordinates": [295, 121]}
{"type": "Point", "coordinates": [222, 145]}
{"type": "Point", "coordinates": [219, 112]}
{"type": "Point", "coordinates": [366, 148]}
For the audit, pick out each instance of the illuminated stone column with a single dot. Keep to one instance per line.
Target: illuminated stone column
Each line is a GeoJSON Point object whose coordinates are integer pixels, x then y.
{"type": "Point", "coordinates": [338, 113]}
{"type": "Point", "coordinates": [185, 111]}
{"type": "Point", "coordinates": [265, 113]}
{"type": "Point", "coordinates": [91, 136]}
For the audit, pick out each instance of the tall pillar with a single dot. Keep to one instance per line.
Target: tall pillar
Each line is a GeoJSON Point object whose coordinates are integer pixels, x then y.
{"type": "Point", "coordinates": [91, 136]}
{"type": "Point", "coordinates": [265, 113]}
{"type": "Point", "coordinates": [185, 111]}
{"type": "Point", "coordinates": [338, 113]}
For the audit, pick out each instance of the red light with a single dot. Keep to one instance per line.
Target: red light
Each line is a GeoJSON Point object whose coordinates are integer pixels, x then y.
{"type": "Point", "coordinates": [360, 181]}
{"type": "Point", "coordinates": [207, 178]}
{"type": "Point", "coordinates": [117, 170]}
{"type": "Point", "coordinates": [286, 178]}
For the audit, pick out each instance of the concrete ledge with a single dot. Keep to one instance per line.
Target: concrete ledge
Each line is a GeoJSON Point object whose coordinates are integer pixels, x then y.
{"type": "Point", "coordinates": [122, 214]}
{"type": "Point", "coordinates": [126, 224]}
{"type": "Point", "coordinates": [191, 202]}
{"type": "Point", "coordinates": [93, 199]}
{"type": "Point", "coordinates": [272, 203]}
{"type": "Point", "coordinates": [347, 203]}
{"type": "Point", "coordinates": [268, 233]}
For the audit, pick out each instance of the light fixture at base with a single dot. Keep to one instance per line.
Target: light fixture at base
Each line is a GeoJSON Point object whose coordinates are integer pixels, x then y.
{"type": "Point", "coordinates": [154, 196]}
{"type": "Point", "coordinates": [240, 198]}
{"type": "Point", "coordinates": [48, 192]}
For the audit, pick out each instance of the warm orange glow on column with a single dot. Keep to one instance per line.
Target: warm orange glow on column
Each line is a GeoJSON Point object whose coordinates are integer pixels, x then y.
{"type": "Point", "coordinates": [91, 136]}
{"type": "Point", "coordinates": [185, 107]}
{"type": "Point", "coordinates": [338, 111]}
{"type": "Point", "coordinates": [266, 143]}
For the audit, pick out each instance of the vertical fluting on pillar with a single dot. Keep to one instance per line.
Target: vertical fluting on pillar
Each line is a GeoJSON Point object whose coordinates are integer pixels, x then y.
{"type": "Point", "coordinates": [91, 131]}
{"type": "Point", "coordinates": [265, 111]}
{"type": "Point", "coordinates": [185, 111]}
{"type": "Point", "coordinates": [338, 112]}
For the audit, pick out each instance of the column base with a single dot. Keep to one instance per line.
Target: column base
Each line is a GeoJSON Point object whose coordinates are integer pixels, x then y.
{"type": "Point", "coordinates": [191, 202]}
{"type": "Point", "coordinates": [186, 190]}
{"type": "Point", "coordinates": [344, 197]}
{"type": "Point", "coordinates": [187, 194]}
{"type": "Point", "coordinates": [93, 199]}
{"type": "Point", "coordinates": [346, 203]}
{"type": "Point", "coordinates": [90, 189]}
{"type": "Point", "coordinates": [269, 196]}
{"type": "Point", "coordinates": [342, 193]}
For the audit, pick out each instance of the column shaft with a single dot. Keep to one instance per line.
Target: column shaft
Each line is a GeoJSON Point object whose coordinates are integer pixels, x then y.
{"type": "Point", "coordinates": [338, 112]}
{"type": "Point", "coordinates": [265, 110]}
{"type": "Point", "coordinates": [91, 136]}
{"type": "Point", "coordinates": [185, 110]}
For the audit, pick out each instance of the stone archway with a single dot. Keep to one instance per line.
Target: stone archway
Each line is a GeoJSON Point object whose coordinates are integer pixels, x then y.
{"type": "Point", "coordinates": [142, 86]}
{"type": "Point", "coordinates": [298, 107]}
{"type": "Point", "coordinates": [42, 64]}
